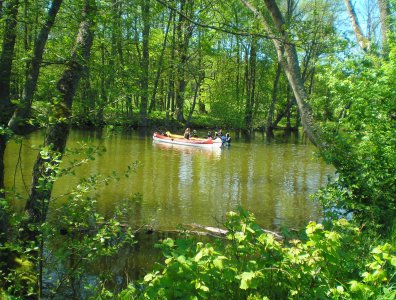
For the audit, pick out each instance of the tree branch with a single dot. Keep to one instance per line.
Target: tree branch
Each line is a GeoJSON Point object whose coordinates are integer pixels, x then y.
{"type": "Point", "coordinates": [222, 29]}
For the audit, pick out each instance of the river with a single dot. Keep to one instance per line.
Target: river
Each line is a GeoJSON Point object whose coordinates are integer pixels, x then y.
{"type": "Point", "coordinates": [181, 185]}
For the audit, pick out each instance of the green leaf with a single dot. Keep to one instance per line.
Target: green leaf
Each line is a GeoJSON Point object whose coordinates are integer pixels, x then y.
{"type": "Point", "coordinates": [198, 257]}
{"type": "Point", "coordinates": [246, 278]}
{"type": "Point", "coordinates": [393, 261]}
{"type": "Point", "coordinates": [148, 277]}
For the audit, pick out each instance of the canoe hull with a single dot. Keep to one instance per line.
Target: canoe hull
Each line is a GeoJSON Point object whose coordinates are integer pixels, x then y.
{"type": "Point", "coordinates": [194, 142]}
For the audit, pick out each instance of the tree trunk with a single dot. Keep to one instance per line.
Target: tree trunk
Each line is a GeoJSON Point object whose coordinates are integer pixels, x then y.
{"type": "Point", "coordinates": [103, 96]}
{"type": "Point", "coordinates": [160, 63]}
{"type": "Point", "coordinates": [271, 110]}
{"type": "Point", "coordinates": [88, 96]}
{"type": "Point", "coordinates": [145, 63]}
{"type": "Point", "coordinates": [250, 86]}
{"type": "Point", "coordinates": [384, 10]}
{"type": "Point", "coordinates": [184, 33]}
{"type": "Point", "coordinates": [37, 205]}
{"type": "Point", "coordinates": [21, 114]}
{"type": "Point", "coordinates": [7, 55]}
{"type": "Point", "coordinates": [287, 56]}
{"type": "Point", "coordinates": [364, 43]}
{"type": "Point", "coordinates": [171, 89]}
{"type": "Point", "coordinates": [6, 108]}
{"type": "Point", "coordinates": [3, 209]}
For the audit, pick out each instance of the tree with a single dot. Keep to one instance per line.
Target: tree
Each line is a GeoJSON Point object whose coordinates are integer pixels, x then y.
{"type": "Point", "coordinates": [19, 118]}
{"type": "Point", "coordinates": [7, 55]}
{"type": "Point", "coordinates": [287, 56]}
{"type": "Point", "coordinates": [184, 31]}
{"type": "Point", "coordinates": [55, 142]}
{"type": "Point", "coordinates": [145, 62]}
{"type": "Point", "coordinates": [6, 107]}
{"type": "Point", "coordinates": [160, 63]}
{"type": "Point", "coordinates": [385, 14]}
{"type": "Point", "coordinates": [364, 43]}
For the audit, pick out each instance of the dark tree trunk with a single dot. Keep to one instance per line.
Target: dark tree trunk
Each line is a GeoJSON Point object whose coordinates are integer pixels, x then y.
{"type": "Point", "coordinates": [238, 58]}
{"type": "Point", "coordinates": [37, 205]}
{"type": "Point", "coordinates": [22, 113]}
{"type": "Point", "coordinates": [3, 212]}
{"type": "Point", "coordinates": [198, 82]}
{"type": "Point", "coordinates": [184, 33]}
{"type": "Point", "coordinates": [160, 63]}
{"type": "Point", "coordinates": [6, 108]}
{"type": "Point", "coordinates": [88, 96]}
{"type": "Point", "coordinates": [179, 95]}
{"type": "Point", "coordinates": [7, 55]}
{"type": "Point", "coordinates": [103, 95]}
{"type": "Point", "coordinates": [250, 86]}
{"type": "Point", "coordinates": [145, 63]}
{"type": "Point", "coordinates": [171, 89]}
{"type": "Point", "coordinates": [270, 126]}
{"type": "Point", "coordinates": [6, 58]}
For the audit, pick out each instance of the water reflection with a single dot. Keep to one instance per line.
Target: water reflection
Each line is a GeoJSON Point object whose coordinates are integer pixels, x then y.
{"type": "Point", "coordinates": [183, 185]}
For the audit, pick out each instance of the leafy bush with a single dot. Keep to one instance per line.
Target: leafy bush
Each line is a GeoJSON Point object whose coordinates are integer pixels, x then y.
{"type": "Point", "coordinates": [362, 143]}
{"type": "Point", "coordinates": [251, 264]}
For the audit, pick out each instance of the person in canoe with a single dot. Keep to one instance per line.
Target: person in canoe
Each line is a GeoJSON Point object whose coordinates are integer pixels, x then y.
{"type": "Point", "coordinates": [194, 134]}
{"type": "Point", "coordinates": [227, 139]}
{"type": "Point", "coordinates": [187, 133]}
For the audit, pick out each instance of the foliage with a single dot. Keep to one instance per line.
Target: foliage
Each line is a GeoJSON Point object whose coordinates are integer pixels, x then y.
{"type": "Point", "coordinates": [73, 240]}
{"type": "Point", "coordinates": [251, 264]}
{"type": "Point", "coordinates": [362, 143]}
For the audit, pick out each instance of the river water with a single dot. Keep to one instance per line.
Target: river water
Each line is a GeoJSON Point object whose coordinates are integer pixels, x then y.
{"type": "Point", "coordinates": [181, 185]}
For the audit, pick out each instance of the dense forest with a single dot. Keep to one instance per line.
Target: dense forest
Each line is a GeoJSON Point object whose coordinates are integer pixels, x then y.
{"type": "Point", "coordinates": [326, 68]}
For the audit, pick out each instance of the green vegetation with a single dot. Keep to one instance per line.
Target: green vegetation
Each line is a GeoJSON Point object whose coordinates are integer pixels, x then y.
{"type": "Point", "coordinates": [251, 264]}
{"type": "Point", "coordinates": [240, 64]}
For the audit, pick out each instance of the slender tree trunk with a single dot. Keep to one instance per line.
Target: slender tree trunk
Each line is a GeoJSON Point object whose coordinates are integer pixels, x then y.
{"type": "Point", "coordinates": [287, 56]}
{"type": "Point", "coordinates": [179, 95]}
{"type": "Point", "coordinates": [6, 58]}
{"type": "Point", "coordinates": [171, 88]}
{"type": "Point", "coordinates": [3, 209]}
{"type": "Point", "coordinates": [6, 110]}
{"type": "Point", "coordinates": [184, 33]}
{"type": "Point", "coordinates": [250, 86]}
{"type": "Point", "coordinates": [88, 96]}
{"type": "Point", "coordinates": [271, 110]}
{"type": "Point", "coordinates": [237, 92]}
{"type": "Point", "coordinates": [103, 96]}
{"type": "Point", "coordinates": [37, 205]}
{"type": "Point", "coordinates": [160, 63]}
{"type": "Point", "coordinates": [26, 37]}
{"type": "Point", "coordinates": [145, 63]}
{"type": "Point", "coordinates": [197, 87]}
{"type": "Point", "coordinates": [201, 77]}
{"type": "Point", "coordinates": [252, 63]}
{"type": "Point", "coordinates": [22, 113]}
{"type": "Point", "coordinates": [248, 109]}
{"type": "Point", "coordinates": [384, 10]}
{"type": "Point", "coordinates": [364, 43]}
